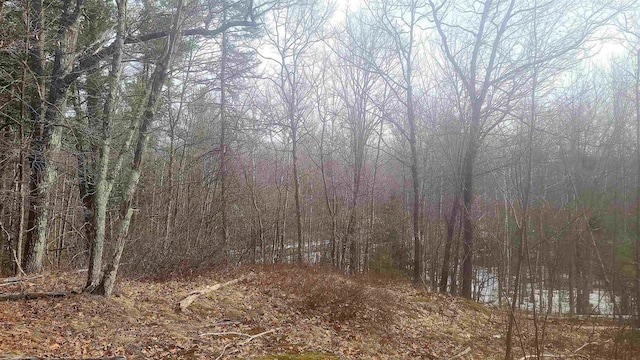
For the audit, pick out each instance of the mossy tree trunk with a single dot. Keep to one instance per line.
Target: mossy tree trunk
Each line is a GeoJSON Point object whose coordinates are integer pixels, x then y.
{"type": "Point", "coordinates": [107, 281]}
{"type": "Point", "coordinates": [104, 182]}
{"type": "Point", "coordinates": [46, 111]}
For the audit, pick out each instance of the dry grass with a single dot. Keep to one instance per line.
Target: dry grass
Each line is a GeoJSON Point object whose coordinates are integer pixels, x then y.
{"type": "Point", "coordinates": [313, 312]}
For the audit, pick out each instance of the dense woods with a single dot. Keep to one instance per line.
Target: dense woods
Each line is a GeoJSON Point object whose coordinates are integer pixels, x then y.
{"type": "Point", "coordinates": [488, 149]}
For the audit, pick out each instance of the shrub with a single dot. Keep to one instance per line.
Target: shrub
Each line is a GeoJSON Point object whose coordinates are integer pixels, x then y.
{"type": "Point", "coordinates": [333, 296]}
{"type": "Point", "coordinates": [382, 263]}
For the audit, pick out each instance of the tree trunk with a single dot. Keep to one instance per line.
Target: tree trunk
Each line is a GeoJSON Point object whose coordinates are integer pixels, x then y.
{"type": "Point", "coordinates": [223, 141]}
{"type": "Point", "coordinates": [467, 196]}
{"type": "Point", "coordinates": [296, 185]}
{"type": "Point", "coordinates": [352, 224]}
{"type": "Point", "coordinates": [46, 138]}
{"type": "Point", "coordinates": [637, 242]}
{"type": "Point", "coordinates": [415, 178]}
{"type": "Point", "coordinates": [36, 221]}
{"type": "Point", "coordinates": [451, 224]}
{"type": "Point", "coordinates": [158, 78]}
{"type": "Point", "coordinates": [104, 177]}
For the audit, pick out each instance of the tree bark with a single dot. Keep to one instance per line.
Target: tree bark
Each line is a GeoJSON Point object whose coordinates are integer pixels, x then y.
{"type": "Point", "coordinates": [36, 220]}
{"type": "Point", "coordinates": [467, 196]}
{"type": "Point", "coordinates": [107, 282]}
{"type": "Point", "coordinates": [296, 184]}
{"type": "Point", "coordinates": [46, 138]}
{"type": "Point", "coordinates": [451, 224]}
{"type": "Point", "coordinates": [223, 140]}
{"type": "Point", "coordinates": [104, 181]}
{"type": "Point", "coordinates": [637, 242]}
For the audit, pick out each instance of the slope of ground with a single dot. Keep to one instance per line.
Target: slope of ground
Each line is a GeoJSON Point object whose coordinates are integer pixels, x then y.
{"type": "Point", "coordinates": [279, 313]}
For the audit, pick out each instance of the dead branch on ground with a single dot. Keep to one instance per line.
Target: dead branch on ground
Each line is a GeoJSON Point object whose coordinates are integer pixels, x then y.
{"type": "Point", "coordinates": [17, 279]}
{"type": "Point", "coordinates": [31, 296]}
{"type": "Point", "coordinates": [461, 354]}
{"type": "Point", "coordinates": [574, 354]}
{"type": "Point", "coordinates": [189, 299]}
{"type": "Point", "coordinates": [235, 333]}
{"type": "Point", "coordinates": [22, 357]}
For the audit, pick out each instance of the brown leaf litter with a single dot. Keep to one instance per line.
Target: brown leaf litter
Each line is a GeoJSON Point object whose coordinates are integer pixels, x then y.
{"type": "Point", "coordinates": [279, 312]}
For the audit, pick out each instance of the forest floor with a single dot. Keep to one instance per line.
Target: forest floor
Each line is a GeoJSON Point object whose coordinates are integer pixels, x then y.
{"type": "Point", "coordinates": [283, 312]}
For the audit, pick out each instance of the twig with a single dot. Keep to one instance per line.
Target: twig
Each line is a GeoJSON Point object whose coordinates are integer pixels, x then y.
{"type": "Point", "coordinates": [224, 348]}
{"type": "Point", "coordinates": [31, 296]}
{"type": "Point", "coordinates": [553, 356]}
{"type": "Point", "coordinates": [248, 336]}
{"type": "Point", "coordinates": [17, 279]}
{"type": "Point", "coordinates": [257, 336]}
{"type": "Point", "coordinates": [567, 356]}
{"type": "Point", "coordinates": [227, 322]}
{"type": "Point", "coordinates": [22, 357]}
{"type": "Point", "coordinates": [225, 334]}
{"type": "Point", "coordinates": [463, 353]}
{"type": "Point", "coordinates": [15, 258]}
{"type": "Point", "coordinates": [235, 333]}
{"type": "Point", "coordinates": [590, 343]}
{"type": "Point", "coordinates": [184, 303]}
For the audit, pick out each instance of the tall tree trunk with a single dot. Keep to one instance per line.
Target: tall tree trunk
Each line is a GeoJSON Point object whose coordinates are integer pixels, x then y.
{"type": "Point", "coordinates": [296, 185]}
{"type": "Point", "coordinates": [46, 138]}
{"type": "Point", "coordinates": [21, 180]}
{"type": "Point", "coordinates": [105, 178]}
{"type": "Point", "coordinates": [324, 172]}
{"type": "Point", "coordinates": [36, 221]}
{"type": "Point", "coordinates": [572, 282]}
{"type": "Point", "coordinates": [467, 196]}
{"type": "Point", "coordinates": [87, 152]}
{"type": "Point", "coordinates": [353, 205]}
{"type": "Point", "coordinates": [415, 179]}
{"type": "Point", "coordinates": [158, 79]}
{"type": "Point", "coordinates": [451, 224]}
{"type": "Point", "coordinates": [637, 243]}
{"type": "Point", "coordinates": [523, 229]}
{"type": "Point", "coordinates": [455, 277]}
{"type": "Point", "coordinates": [372, 210]}
{"type": "Point", "coordinates": [223, 140]}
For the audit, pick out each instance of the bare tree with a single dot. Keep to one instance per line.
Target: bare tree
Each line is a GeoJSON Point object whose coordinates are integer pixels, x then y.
{"type": "Point", "coordinates": [292, 33]}
{"type": "Point", "coordinates": [102, 280]}
{"type": "Point", "coordinates": [482, 42]}
{"type": "Point", "coordinates": [631, 32]}
{"type": "Point", "coordinates": [400, 21]}
{"type": "Point", "coordinates": [358, 90]}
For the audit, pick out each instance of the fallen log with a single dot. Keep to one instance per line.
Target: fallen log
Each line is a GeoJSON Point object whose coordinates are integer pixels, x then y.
{"type": "Point", "coordinates": [17, 279]}
{"type": "Point", "coordinates": [31, 296]}
{"type": "Point", "coordinates": [22, 357]}
{"type": "Point", "coordinates": [184, 303]}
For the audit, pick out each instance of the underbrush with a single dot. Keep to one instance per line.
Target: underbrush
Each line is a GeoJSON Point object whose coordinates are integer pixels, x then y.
{"type": "Point", "coordinates": [626, 344]}
{"type": "Point", "coordinates": [324, 292]}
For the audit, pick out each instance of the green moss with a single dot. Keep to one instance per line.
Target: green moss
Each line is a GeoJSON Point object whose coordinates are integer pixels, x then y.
{"type": "Point", "coordinates": [303, 356]}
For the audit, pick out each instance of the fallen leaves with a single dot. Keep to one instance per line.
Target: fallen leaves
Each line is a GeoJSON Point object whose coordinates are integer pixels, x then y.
{"type": "Point", "coordinates": [269, 311]}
